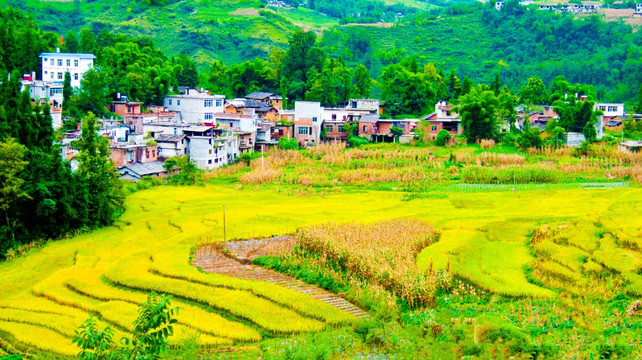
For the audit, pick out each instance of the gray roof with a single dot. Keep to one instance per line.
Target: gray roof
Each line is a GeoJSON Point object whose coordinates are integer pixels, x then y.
{"type": "Point", "coordinates": [80, 56]}
{"type": "Point", "coordinates": [169, 138]}
{"type": "Point", "coordinates": [143, 169]}
{"type": "Point", "coordinates": [258, 95]}
{"type": "Point", "coordinates": [198, 128]}
{"type": "Point", "coordinates": [369, 118]}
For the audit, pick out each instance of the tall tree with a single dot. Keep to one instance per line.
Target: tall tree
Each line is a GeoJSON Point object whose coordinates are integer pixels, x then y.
{"type": "Point", "coordinates": [454, 85]}
{"type": "Point", "coordinates": [534, 92]}
{"type": "Point", "coordinates": [478, 111]}
{"type": "Point", "coordinates": [466, 86]}
{"type": "Point", "coordinates": [496, 85]}
{"type": "Point", "coordinates": [97, 171]}
{"type": "Point", "coordinates": [88, 44]}
{"type": "Point", "coordinates": [67, 92]}
{"type": "Point", "coordinates": [639, 107]}
{"type": "Point", "coordinates": [71, 43]}
{"type": "Point", "coordinates": [362, 82]}
{"type": "Point", "coordinates": [11, 164]}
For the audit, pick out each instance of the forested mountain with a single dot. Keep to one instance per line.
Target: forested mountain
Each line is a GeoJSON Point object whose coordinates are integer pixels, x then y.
{"type": "Point", "coordinates": [473, 39]}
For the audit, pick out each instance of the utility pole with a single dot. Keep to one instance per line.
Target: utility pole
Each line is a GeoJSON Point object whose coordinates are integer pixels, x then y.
{"type": "Point", "coordinates": [224, 234]}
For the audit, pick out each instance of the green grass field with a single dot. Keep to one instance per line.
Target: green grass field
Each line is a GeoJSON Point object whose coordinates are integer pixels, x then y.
{"type": "Point", "coordinates": [485, 236]}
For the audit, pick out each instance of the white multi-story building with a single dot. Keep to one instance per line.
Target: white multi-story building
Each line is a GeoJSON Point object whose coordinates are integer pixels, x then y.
{"type": "Point", "coordinates": [195, 107]}
{"type": "Point", "coordinates": [55, 65]}
{"type": "Point", "coordinates": [638, 8]}
{"type": "Point", "coordinates": [210, 147]}
{"type": "Point", "coordinates": [610, 109]}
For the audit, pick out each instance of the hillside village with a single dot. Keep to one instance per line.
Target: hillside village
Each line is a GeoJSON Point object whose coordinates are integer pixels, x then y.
{"type": "Point", "coordinates": [214, 131]}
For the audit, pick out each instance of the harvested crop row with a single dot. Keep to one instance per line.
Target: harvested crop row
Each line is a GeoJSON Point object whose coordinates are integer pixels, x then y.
{"type": "Point", "coordinates": [262, 312]}
{"type": "Point", "coordinates": [32, 335]}
{"type": "Point", "coordinates": [302, 303]}
{"type": "Point", "coordinates": [191, 316]}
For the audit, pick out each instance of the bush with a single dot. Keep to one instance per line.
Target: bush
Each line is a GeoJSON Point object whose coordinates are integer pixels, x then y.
{"type": "Point", "coordinates": [510, 175]}
{"type": "Point", "coordinates": [288, 144]}
{"type": "Point", "coordinates": [442, 137]}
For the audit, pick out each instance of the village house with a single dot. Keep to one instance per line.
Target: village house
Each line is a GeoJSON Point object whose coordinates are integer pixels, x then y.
{"type": "Point", "coordinates": [444, 118]}
{"type": "Point", "coordinates": [498, 5]}
{"type": "Point", "coordinates": [614, 114]}
{"type": "Point", "coordinates": [270, 99]}
{"type": "Point", "coordinates": [211, 147]}
{"type": "Point", "coordinates": [43, 92]}
{"type": "Point", "coordinates": [251, 108]}
{"type": "Point", "coordinates": [125, 154]}
{"type": "Point", "coordinates": [195, 107]}
{"type": "Point", "coordinates": [266, 135]}
{"type": "Point", "coordinates": [373, 106]}
{"type": "Point", "coordinates": [307, 122]}
{"type": "Point", "coordinates": [170, 145]}
{"type": "Point", "coordinates": [135, 172]}
{"type": "Point", "coordinates": [55, 65]}
{"type": "Point", "coordinates": [638, 9]}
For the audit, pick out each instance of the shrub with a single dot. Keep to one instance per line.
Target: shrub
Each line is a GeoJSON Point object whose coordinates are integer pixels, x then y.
{"type": "Point", "coordinates": [288, 144]}
{"type": "Point", "coordinates": [442, 137]}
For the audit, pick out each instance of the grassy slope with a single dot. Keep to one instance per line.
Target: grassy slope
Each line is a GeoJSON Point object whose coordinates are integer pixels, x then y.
{"type": "Point", "coordinates": [145, 233]}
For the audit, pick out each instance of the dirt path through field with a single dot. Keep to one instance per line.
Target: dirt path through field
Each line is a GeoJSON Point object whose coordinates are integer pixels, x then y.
{"type": "Point", "coordinates": [237, 264]}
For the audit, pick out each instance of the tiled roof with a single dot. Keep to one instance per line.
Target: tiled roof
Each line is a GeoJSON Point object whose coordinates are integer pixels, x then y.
{"type": "Point", "coordinates": [258, 95]}
{"type": "Point", "coordinates": [143, 169]}
{"type": "Point", "coordinates": [169, 138]}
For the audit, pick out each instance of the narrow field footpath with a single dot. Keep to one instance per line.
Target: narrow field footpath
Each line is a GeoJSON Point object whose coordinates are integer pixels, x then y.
{"type": "Point", "coordinates": [237, 263]}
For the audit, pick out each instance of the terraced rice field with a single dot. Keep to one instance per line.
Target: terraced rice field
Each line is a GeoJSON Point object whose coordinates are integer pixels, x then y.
{"type": "Point", "coordinates": [47, 294]}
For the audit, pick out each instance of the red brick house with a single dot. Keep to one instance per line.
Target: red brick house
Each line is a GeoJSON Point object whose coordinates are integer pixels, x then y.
{"type": "Point", "coordinates": [443, 118]}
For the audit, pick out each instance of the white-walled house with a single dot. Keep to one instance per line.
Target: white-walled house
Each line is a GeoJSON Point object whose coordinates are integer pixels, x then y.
{"type": "Point", "coordinates": [195, 107]}
{"type": "Point", "coordinates": [610, 109]}
{"type": "Point", "coordinates": [308, 117]}
{"type": "Point", "coordinates": [55, 65]}
{"type": "Point", "coordinates": [44, 92]}
{"type": "Point", "coordinates": [638, 8]}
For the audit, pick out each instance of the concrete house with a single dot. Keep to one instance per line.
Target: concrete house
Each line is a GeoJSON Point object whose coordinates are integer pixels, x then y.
{"type": "Point", "coordinates": [308, 117]}
{"type": "Point", "coordinates": [638, 9]}
{"type": "Point", "coordinates": [170, 145]}
{"type": "Point", "coordinates": [211, 147]}
{"type": "Point", "coordinates": [273, 100]}
{"type": "Point", "coordinates": [55, 65]}
{"type": "Point", "coordinates": [195, 107]}
{"type": "Point", "coordinates": [44, 92]}
{"type": "Point", "coordinates": [443, 118]}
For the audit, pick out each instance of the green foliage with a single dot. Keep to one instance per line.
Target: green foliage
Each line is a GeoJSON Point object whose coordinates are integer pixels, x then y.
{"type": "Point", "coordinates": [510, 175]}
{"type": "Point", "coordinates": [189, 174]}
{"type": "Point", "coordinates": [67, 92]}
{"type": "Point", "coordinates": [96, 170]}
{"type": "Point", "coordinates": [11, 164]}
{"type": "Point", "coordinates": [152, 329]}
{"type": "Point", "coordinates": [534, 92]}
{"type": "Point", "coordinates": [442, 137]}
{"type": "Point", "coordinates": [478, 110]}
{"type": "Point", "coordinates": [406, 89]}
{"type": "Point", "coordinates": [288, 144]}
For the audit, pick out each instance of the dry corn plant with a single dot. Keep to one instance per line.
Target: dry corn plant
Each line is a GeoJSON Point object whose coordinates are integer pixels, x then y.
{"type": "Point", "coordinates": [226, 170]}
{"type": "Point", "coordinates": [487, 144]}
{"type": "Point", "coordinates": [382, 253]}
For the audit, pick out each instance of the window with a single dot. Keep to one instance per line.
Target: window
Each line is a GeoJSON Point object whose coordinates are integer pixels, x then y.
{"type": "Point", "coordinates": [342, 129]}
{"type": "Point", "coordinates": [612, 108]}
{"type": "Point", "coordinates": [45, 60]}
{"type": "Point", "coordinates": [210, 151]}
{"type": "Point", "coordinates": [147, 153]}
{"type": "Point", "coordinates": [219, 102]}
{"type": "Point", "coordinates": [209, 103]}
{"type": "Point", "coordinates": [209, 116]}
{"type": "Point", "coordinates": [314, 119]}
{"type": "Point", "coordinates": [603, 108]}
{"type": "Point", "coordinates": [304, 130]}
{"type": "Point", "coordinates": [51, 62]}
{"type": "Point", "coordinates": [209, 161]}
{"type": "Point", "coordinates": [52, 76]}
{"type": "Point", "coordinates": [365, 128]}
{"type": "Point", "coordinates": [170, 102]}
{"type": "Point", "coordinates": [68, 62]}
{"type": "Point", "coordinates": [178, 103]}
{"type": "Point", "coordinates": [434, 128]}
{"type": "Point", "coordinates": [59, 76]}
{"type": "Point", "coordinates": [76, 63]}
{"type": "Point", "coordinates": [76, 76]}
{"type": "Point", "coordinates": [46, 72]}
{"type": "Point", "coordinates": [59, 62]}
{"type": "Point", "coordinates": [334, 116]}
{"type": "Point", "coordinates": [129, 108]}
{"type": "Point", "coordinates": [329, 128]}
{"type": "Point", "coordinates": [153, 153]}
